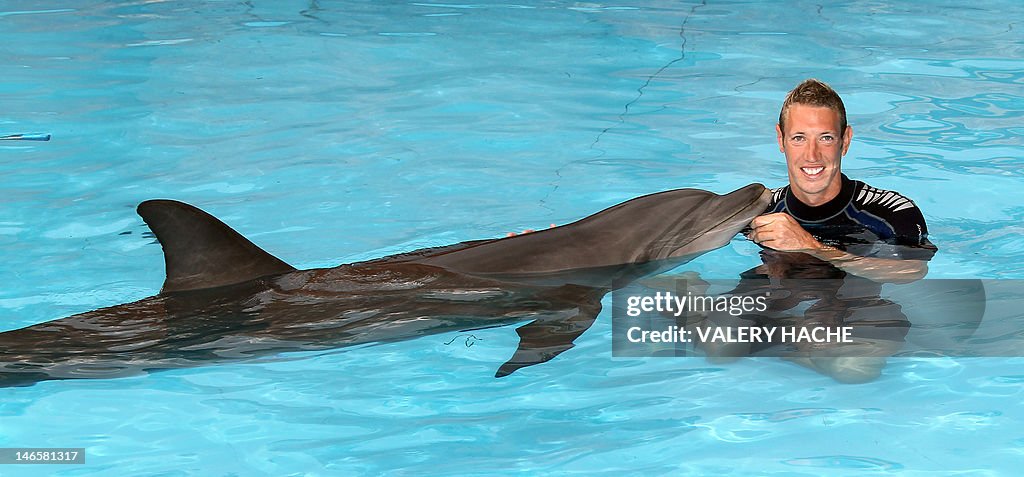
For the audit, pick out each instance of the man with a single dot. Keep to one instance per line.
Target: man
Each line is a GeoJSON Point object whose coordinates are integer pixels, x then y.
{"type": "Point", "coordinates": [869, 232]}
{"type": "Point", "coordinates": [824, 226]}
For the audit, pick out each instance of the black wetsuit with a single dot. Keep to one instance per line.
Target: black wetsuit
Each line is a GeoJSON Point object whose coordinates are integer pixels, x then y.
{"type": "Point", "coordinates": [861, 220]}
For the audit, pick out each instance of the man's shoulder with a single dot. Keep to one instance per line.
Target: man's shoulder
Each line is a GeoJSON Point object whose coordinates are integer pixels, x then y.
{"type": "Point", "coordinates": [778, 196]}
{"type": "Point", "coordinates": [897, 211]}
{"type": "Point", "coordinates": [778, 193]}
{"type": "Point", "coordinates": [895, 218]}
{"type": "Point", "coordinates": [865, 195]}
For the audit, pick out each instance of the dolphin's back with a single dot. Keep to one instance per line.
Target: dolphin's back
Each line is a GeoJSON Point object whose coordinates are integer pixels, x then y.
{"type": "Point", "coordinates": [202, 252]}
{"type": "Point", "coordinates": [675, 223]}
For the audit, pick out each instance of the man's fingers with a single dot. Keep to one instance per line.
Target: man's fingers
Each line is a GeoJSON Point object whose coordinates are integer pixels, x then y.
{"type": "Point", "coordinates": [760, 235]}
{"type": "Point", "coordinates": [768, 242]}
{"type": "Point", "coordinates": [527, 231]}
{"type": "Point", "coordinates": [780, 231]}
{"type": "Point", "coordinates": [763, 220]}
{"type": "Point", "coordinates": [760, 232]}
{"type": "Point", "coordinates": [767, 236]}
{"type": "Point", "coordinates": [767, 219]}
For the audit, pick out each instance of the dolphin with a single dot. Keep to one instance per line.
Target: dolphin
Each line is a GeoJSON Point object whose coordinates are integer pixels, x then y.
{"type": "Point", "coordinates": [225, 299]}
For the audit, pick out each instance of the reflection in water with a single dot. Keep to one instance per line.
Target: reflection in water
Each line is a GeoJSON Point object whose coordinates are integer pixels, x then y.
{"type": "Point", "coordinates": [813, 314]}
{"type": "Point", "coordinates": [807, 293]}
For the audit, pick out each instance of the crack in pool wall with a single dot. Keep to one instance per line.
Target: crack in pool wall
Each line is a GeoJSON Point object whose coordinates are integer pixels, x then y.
{"type": "Point", "coordinates": [640, 90]}
{"type": "Point", "coordinates": [312, 11]}
{"type": "Point", "coordinates": [625, 109]}
{"type": "Point", "coordinates": [831, 22]}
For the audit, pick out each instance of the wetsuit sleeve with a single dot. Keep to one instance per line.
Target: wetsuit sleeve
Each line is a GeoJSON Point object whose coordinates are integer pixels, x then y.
{"type": "Point", "coordinates": [911, 240]}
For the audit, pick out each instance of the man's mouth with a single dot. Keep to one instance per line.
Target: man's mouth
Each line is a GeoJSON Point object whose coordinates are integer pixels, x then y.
{"type": "Point", "coordinates": [813, 171]}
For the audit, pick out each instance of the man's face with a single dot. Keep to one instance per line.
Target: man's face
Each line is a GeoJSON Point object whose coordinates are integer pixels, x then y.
{"type": "Point", "coordinates": [814, 147]}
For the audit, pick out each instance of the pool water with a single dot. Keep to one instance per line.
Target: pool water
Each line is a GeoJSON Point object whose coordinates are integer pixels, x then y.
{"type": "Point", "coordinates": [331, 132]}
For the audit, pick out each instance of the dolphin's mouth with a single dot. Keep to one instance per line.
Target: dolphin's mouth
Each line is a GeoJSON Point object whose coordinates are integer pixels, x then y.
{"type": "Point", "coordinates": [723, 231]}
{"type": "Point", "coordinates": [741, 218]}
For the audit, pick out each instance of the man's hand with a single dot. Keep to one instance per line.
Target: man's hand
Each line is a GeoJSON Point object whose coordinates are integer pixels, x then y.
{"type": "Point", "coordinates": [527, 231]}
{"type": "Point", "coordinates": [781, 232]}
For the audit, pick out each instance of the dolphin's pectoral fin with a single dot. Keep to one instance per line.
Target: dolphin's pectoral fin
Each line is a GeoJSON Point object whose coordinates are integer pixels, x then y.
{"type": "Point", "coordinates": [542, 340]}
{"type": "Point", "coordinates": [201, 251]}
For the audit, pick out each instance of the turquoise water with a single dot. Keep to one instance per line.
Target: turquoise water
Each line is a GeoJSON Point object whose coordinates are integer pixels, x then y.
{"type": "Point", "coordinates": [330, 132]}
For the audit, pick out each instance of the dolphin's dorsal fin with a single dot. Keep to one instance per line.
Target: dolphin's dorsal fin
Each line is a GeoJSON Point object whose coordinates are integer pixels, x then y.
{"type": "Point", "coordinates": [201, 251]}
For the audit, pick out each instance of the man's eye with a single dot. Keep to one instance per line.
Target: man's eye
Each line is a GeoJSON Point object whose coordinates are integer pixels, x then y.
{"type": "Point", "coordinates": [797, 139]}
{"type": "Point", "coordinates": [827, 138]}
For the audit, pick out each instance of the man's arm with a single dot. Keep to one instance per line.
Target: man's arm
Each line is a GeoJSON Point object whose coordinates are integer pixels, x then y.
{"type": "Point", "coordinates": [780, 231]}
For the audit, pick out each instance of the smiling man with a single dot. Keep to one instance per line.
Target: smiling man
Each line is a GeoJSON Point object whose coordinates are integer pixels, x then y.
{"type": "Point", "coordinates": [824, 225]}
{"type": "Point", "coordinates": [873, 233]}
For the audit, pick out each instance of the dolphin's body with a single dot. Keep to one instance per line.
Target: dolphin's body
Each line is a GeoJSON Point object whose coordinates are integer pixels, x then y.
{"type": "Point", "coordinates": [226, 299]}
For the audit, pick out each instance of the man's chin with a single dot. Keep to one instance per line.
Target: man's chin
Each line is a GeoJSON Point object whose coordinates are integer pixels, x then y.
{"type": "Point", "coordinates": [809, 193]}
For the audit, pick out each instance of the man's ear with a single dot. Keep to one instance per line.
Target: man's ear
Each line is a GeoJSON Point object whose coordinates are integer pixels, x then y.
{"type": "Point", "coordinates": [847, 136]}
{"type": "Point", "coordinates": [779, 138]}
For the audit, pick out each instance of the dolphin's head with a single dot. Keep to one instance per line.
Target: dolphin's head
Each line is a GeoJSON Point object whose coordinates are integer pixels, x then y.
{"type": "Point", "coordinates": [676, 224]}
{"type": "Point", "coordinates": [723, 217]}
{"type": "Point", "coordinates": [752, 201]}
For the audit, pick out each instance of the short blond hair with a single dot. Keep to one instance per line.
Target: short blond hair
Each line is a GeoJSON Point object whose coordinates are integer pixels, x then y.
{"type": "Point", "coordinates": [812, 92]}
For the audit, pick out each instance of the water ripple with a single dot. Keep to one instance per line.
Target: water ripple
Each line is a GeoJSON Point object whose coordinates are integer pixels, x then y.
{"type": "Point", "coordinates": [845, 462]}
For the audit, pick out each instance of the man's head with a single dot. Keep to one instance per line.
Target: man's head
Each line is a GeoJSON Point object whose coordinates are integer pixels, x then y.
{"type": "Point", "coordinates": [813, 134]}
